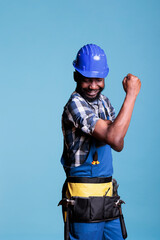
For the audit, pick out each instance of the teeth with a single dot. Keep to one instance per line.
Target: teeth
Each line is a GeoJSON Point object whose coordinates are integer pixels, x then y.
{"type": "Point", "coordinates": [92, 93]}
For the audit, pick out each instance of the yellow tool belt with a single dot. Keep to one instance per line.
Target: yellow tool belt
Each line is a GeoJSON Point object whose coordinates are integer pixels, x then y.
{"type": "Point", "coordinates": [87, 187]}
{"type": "Point", "coordinates": [89, 199]}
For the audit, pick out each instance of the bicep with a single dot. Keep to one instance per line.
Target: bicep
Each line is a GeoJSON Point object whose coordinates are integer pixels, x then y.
{"type": "Point", "coordinates": [104, 131]}
{"type": "Point", "coordinates": [101, 130]}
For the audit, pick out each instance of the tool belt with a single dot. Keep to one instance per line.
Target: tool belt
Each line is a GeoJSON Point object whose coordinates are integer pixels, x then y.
{"type": "Point", "coordinates": [97, 201]}
{"type": "Point", "coordinates": [89, 199]}
{"type": "Point", "coordinates": [94, 209]}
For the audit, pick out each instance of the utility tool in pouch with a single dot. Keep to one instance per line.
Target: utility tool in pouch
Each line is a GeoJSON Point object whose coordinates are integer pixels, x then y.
{"type": "Point", "coordinates": [118, 204]}
{"type": "Point", "coordinates": [123, 227]}
{"type": "Point", "coordinates": [65, 202]}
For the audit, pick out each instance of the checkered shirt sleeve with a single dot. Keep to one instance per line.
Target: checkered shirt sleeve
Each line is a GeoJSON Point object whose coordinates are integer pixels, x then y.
{"type": "Point", "coordinates": [81, 115]}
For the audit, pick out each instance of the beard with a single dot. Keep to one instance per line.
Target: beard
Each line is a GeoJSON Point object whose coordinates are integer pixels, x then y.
{"type": "Point", "coordinates": [81, 91]}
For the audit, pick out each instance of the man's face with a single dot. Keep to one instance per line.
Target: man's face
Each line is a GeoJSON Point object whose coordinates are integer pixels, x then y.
{"type": "Point", "coordinates": [90, 88]}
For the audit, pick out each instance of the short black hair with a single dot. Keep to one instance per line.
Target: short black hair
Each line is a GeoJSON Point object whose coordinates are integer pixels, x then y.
{"type": "Point", "coordinates": [78, 76]}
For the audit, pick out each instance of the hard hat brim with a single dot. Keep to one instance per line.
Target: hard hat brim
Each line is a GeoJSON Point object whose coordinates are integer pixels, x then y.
{"type": "Point", "coordinates": [92, 74]}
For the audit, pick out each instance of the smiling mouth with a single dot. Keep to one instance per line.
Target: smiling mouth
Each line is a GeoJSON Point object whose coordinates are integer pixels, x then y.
{"type": "Point", "coordinates": [92, 93]}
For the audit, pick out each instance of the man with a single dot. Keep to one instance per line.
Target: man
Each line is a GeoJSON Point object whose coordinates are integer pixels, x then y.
{"type": "Point", "coordinates": [90, 130]}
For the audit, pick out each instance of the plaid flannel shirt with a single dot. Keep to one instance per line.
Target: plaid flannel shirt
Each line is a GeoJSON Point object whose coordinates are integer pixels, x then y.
{"type": "Point", "coordinates": [78, 122]}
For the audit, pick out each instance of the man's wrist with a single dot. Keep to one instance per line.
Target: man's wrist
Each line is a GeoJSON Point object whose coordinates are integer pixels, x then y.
{"type": "Point", "coordinates": [131, 96]}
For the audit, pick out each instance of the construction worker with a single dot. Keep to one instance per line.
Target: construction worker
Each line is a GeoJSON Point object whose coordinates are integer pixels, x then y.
{"type": "Point", "coordinates": [90, 130]}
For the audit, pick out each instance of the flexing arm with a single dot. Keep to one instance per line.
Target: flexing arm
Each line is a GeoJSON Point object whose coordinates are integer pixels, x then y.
{"type": "Point", "coordinates": [114, 133]}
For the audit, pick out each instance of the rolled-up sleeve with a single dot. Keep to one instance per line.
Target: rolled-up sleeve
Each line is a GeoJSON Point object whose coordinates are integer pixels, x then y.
{"type": "Point", "coordinates": [82, 116]}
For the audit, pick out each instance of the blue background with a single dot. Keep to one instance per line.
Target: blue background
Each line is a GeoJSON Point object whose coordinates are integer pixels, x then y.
{"type": "Point", "coordinates": [38, 42]}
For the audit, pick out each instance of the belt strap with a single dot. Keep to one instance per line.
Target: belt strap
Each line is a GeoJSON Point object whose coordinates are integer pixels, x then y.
{"type": "Point", "coordinates": [89, 180]}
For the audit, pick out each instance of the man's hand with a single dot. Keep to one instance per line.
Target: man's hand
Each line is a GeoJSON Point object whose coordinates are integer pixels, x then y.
{"type": "Point", "coordinates": [131, 85]}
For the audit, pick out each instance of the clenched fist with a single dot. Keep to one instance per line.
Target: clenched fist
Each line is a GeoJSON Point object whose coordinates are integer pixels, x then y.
{"type": "Point", "coordinates": [131, 85]}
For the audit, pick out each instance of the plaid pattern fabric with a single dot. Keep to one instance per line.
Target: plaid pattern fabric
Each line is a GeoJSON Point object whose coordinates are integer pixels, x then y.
{"type": "Point", "coordinates": [78, 123]}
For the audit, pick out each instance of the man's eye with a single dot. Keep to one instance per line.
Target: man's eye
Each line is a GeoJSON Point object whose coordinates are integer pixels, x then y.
{"type": "Point", "coordinates": [99, 80]}
{"type": "Point", "coordinates": [85, 80]}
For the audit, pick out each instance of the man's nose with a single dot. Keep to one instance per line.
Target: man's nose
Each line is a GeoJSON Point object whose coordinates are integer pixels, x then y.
{"type": "Point", "coordinates": [93, 85]}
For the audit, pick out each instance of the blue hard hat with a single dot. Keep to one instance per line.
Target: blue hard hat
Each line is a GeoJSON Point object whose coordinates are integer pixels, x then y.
{"type": "Point", "coordinates": [91, 62]}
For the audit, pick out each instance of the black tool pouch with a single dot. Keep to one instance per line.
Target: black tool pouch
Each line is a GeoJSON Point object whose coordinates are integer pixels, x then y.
{"type": "Point", "coordinates": [94, 209]}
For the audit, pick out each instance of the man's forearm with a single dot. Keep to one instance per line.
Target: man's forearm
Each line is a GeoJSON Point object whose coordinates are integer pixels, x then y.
{"type": "Point", "coordinates": [118, 129]}
{"type": "Point", "coordinates": [121, 123]}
